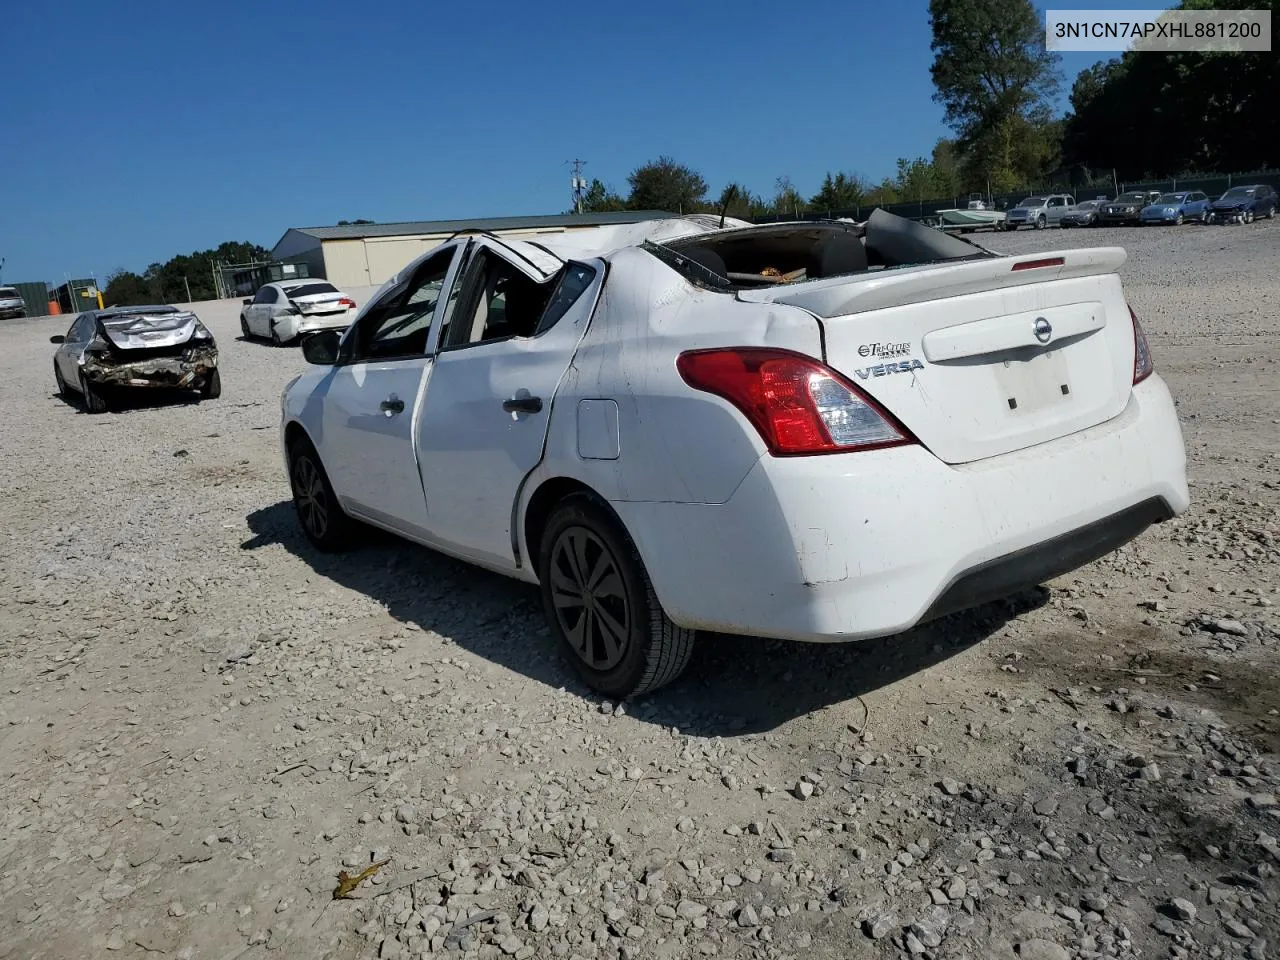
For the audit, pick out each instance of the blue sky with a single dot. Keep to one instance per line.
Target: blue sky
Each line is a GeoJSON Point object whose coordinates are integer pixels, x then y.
{"type": "Point", "coordinates": [141, 130]}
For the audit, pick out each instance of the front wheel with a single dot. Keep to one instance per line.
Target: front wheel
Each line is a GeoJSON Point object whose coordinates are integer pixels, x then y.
{"type": "Point", "coordinates": [1246, 216]}
{"type": "Point", "coordinates": [1041, 223]}
{"type": "Point", "coordinates": [600, 602]}
{"type": "Point", "coordinates": [323, 520]}
{"type": "Point", "coordinates": [212, 388]}
{"type": "Point", "coordinates": [63, 390]}
{"type": "Point", "coordinates": [244, 328]}
{"type": "Point", "coordinates": [94, 401]}
{"type": "Point", "coordinates": [1177, 221]}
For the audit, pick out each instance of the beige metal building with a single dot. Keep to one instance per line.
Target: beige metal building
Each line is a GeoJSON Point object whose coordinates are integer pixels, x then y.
{"type": "Point", "coordinates": [368, 254]}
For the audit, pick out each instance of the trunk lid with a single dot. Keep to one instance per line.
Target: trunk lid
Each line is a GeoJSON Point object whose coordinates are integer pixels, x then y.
{"type": "Point", "coordinates": [982, 358]}
{"type": "Point", "coordinates": [143, 332]}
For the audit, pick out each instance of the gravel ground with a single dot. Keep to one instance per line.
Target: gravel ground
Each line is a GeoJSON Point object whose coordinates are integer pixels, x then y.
{"type": "Point", "coordinates": [202, 721]}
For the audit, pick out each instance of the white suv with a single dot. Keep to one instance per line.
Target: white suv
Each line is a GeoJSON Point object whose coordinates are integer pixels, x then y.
{"type": "Point", "coordinates": [11, 304]}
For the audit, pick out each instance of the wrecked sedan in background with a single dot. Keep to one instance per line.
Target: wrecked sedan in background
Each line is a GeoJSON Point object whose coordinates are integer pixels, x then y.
{"type": "Point", "coordinates": [152, 346]}
{"type": "Point", "coordinates": [810, 431]}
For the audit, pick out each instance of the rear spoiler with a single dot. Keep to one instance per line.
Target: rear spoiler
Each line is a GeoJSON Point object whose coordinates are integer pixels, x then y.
{"type": "Point", "coordinates": [877, 289]}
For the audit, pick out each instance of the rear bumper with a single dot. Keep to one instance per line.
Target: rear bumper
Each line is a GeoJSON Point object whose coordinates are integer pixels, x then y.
{"type": "Point", "coordinates": [186, 372]}
{"type": "Point", "coordinates": [848, 547]}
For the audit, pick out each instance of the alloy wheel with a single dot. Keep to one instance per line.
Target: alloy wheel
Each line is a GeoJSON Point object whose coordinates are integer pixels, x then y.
{"type": "Point", "coordinates": [309, 495]}
{"type": "Point", "coordinates": [590, 598]}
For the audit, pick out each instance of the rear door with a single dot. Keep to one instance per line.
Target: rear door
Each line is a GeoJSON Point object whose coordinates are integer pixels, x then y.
{"type": "Point", "coordinates": [370, 401]}
{"type": "Point", "coordinates": [489, 399]}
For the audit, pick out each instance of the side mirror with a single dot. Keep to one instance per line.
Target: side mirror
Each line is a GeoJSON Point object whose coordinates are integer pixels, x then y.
{"type": "Point", "coordinates": [321, 348]}
{"type": "Point", "coordinates": [247, 301]}
{"type": "Point", "coordinates": [58, 339]}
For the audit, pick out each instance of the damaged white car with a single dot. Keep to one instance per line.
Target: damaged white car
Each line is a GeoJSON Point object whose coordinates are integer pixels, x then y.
{"type": "Point", "coordinates": [815, 431]}
{"type": "Point", "coordinates": [289, 309]}
{"type": "Point", "coordinates": [149, 346]}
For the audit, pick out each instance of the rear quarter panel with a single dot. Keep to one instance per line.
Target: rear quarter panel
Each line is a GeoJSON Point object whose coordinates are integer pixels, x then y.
{"type": "Point", "coordinates": [674, 443]}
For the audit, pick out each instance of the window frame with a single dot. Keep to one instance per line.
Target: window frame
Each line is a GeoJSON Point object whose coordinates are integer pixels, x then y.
{"type": "Point", "coordinates": [347, 349]}
{"type": "Point", "coordinates": [469, 298]}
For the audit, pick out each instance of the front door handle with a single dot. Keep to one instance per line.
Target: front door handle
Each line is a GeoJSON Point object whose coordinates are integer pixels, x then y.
{"type": "Point", "coordinates": [522, 405]}
{"type": "Point", "coordinates": [391, 406]}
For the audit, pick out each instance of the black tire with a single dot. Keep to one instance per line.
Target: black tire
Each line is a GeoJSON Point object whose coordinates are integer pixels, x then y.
{"type": "Point", "coordinates": [212, 388]}
{"type": "Point", "coordinates": [649, 651]}
{"type": "Point", "coordinates": [1271, 212]}
{"type": "Point", "coordinates": [1178, 220]}
{"type": "Point", "coordinates": [244, 329]}
{"type": "Point", "coordinates": [92, 397]}
{"type": "Point", "coordinates": [321, 516]}
{"type": "Point", "coordinates": [1246, 216]}
{"type": "Point", "coordinates": [63, 390]}
{"type": "Point", "coordinates": [1041, 222]}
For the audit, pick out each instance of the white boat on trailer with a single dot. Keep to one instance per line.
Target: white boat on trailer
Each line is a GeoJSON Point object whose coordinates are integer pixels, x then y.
{"type": "Point", "coordinates": [976, 216]}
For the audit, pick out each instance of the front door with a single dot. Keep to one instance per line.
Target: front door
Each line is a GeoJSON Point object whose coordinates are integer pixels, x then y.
{"type": "Point", "coordinates": [489, 400]}
{"type": "Point", "coordinates": [371, 401]}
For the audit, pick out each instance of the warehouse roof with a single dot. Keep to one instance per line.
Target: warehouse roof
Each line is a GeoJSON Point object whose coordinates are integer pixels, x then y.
{"type": "Point", "coordinates": [356, 231]}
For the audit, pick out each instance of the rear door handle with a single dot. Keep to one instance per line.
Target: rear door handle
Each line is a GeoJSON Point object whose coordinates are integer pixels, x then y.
{"type": "Point", "coordinates": [522, 405]}
{"type": "Point", "coordinates": [391, 406]}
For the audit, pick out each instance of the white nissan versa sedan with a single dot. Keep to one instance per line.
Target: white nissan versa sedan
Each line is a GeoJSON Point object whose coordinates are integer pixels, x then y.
{"type": "Point", "coordinates": [816, 431]}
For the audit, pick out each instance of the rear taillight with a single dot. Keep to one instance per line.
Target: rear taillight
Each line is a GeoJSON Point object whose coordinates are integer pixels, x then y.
{"type": "Point", "coordinates": [1143, 366]}
{"type": "Point", "coordinates": [798, 405]}
{"type": "Point", "coordinates": [347, 302]}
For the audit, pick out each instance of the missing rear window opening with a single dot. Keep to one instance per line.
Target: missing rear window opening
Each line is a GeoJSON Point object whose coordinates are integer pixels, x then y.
{"type": "Point", "coordinates": [787, 253]}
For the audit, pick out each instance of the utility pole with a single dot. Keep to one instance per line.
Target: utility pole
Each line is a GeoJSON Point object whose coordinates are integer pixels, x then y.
{"type": "Point", "coordinates": [578, 183]}
{"type": "Point", "coordinates": [186, 284]}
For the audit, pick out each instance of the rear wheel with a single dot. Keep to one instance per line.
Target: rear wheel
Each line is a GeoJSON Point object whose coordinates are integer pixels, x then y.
{"type": "Point", "coordinates": [212, 388]}
{"type": "Point", "coordinates": [600, 602]}
{"type": "Point", "coordinates": [94, 400]}
{"type": "Point", "coordinates": [322, 517]}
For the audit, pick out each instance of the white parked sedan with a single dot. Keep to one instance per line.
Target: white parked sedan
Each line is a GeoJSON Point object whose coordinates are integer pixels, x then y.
{"type": "Point", "coordinates": [287, 309]}
{"type": "Point", "coordinates": [815, 431]}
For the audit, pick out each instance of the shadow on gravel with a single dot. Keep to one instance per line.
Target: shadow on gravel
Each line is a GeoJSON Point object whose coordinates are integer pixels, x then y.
{"type": "Point", "coordinates": [128, 400]}
{"type": "Point", "coordinates": [734, 685]}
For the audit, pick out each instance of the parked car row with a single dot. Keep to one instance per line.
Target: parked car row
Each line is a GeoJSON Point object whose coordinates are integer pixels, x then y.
{"type": "Point", "coordinates": [1242, 204]}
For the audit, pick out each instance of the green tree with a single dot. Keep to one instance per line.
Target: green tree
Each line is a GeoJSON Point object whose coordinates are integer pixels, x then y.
{"type": "Point", "coordinates": [995, 78]}
{"type": "Point", "coordinates": [883, 193]}
{"type": "Point", "coordinates": [601, 199]}
{"type": "Point", "coordinates": [738, 201]}
{"type": "Point", "coordinates": [663, 184]}
{"type": "Point", "coordinates": [126, 289]}
{"type": "Point", "coordinates": [841, 191]}
{"type": "Point", "coordinates": [1157, 115]}
{"type": "Point", "coordinates": [786, 198]}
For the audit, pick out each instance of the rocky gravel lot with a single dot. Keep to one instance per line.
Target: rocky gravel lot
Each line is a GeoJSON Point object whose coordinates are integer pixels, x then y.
{"type": "Point", "coordinates": [202, 721]}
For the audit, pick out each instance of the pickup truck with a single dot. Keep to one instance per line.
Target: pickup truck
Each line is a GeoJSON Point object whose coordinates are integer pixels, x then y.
{"type": "Point", "coordinates": [1040, 211]}
{"type": "Point", "coordinates": [810, 431]}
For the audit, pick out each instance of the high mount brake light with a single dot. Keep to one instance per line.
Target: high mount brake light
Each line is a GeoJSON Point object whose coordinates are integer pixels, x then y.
{"type": "Point", "coordinates": [1037, 264]}
{"type": "Point", "coordinates": [1143, 366]}
{"type": "Point", "coordinates": [799, 406]}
